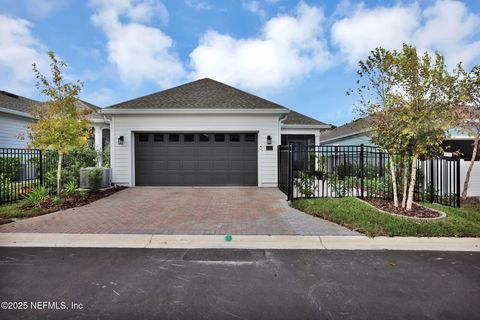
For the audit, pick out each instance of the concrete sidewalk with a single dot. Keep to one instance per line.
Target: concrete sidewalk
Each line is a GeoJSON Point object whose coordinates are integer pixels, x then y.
{"type": "Point", "coordinates": [154, 241]}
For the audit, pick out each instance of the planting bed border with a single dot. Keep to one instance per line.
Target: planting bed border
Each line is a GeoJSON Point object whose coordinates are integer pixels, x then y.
{"type": "Point", "coordinates": [442, 214]}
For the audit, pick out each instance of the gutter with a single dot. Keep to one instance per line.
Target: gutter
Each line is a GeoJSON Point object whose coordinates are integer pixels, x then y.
{"type": "Point", "coordinates": [194, 111]}
{"type": "Point", "coordinates": [17, 113]}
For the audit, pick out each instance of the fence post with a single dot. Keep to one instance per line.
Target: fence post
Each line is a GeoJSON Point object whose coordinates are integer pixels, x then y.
{"type": "Point", "coordinates": [361, 172]}
{"type": "Point", "coordinates": [279, 166]}
{"type": "Point", "coordinates": [432, 198]}
{"type": "Point", "coordinates": [290, 172]}
{"type": "Point", "coordinates": [457, 177]}
{"type": "Point", "coordinates": [41, 167]}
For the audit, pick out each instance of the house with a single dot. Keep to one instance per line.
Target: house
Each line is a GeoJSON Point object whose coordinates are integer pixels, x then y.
{"type": "Point", "coordinates": [15, 116]}
{"type": "Point", "coordinates": [203, 133]}
{"type": "Point", "coordinates": [357, 132]}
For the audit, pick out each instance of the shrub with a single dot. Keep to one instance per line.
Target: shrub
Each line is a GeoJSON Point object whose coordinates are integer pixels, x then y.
{"type": "Point", "coordinates": [69, 188]}
{"type": "Point", "coordinates": [95, 179]}
{"type": "Point", "coordinates": [306, 184]}
{"type": "Point", "coordinates": [36, 197]}
{"type": "Point", "coordinates": [10, 167]}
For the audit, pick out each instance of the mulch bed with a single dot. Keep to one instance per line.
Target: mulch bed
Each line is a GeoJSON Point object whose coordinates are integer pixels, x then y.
{"type": "Point", "coordinates": [416, 212]}
{"type": "Point", "coordinates": [75, 200]}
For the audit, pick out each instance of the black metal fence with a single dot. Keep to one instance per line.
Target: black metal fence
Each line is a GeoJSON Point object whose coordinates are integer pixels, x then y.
{"type": "Point", "coordinates": [361, 171]}
{"type": "Point", "coordinates": [22, 170]}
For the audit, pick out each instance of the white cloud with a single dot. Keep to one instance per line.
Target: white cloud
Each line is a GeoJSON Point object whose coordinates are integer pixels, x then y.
{"type": "Point", "coordinates": [446, 26]}
{"type": "Point", "coordinates": [139, 51]}
{"type": "Point", "coordinates": [255, 8]}
{"type": "Point", "coordinates": [289, 48]}
{"type": "Point", "coordinates": [366, 29]}
{"type": "Point", "coordinates": [19, 50]}
{"type": "Point", "coordinates": [198, 5]}
{"type": "Point", "coordinates": [102, 97]}
{"type": "Point", "coordinates": [43, 8]}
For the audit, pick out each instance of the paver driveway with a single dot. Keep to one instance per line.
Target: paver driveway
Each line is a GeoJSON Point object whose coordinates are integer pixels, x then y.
{"type": "Point", "coordinates": [183, 211]}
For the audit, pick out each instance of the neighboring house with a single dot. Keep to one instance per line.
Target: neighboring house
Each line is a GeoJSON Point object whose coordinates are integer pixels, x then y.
{"type": "Point", "coordinates": [15, 116]}
{"type": "Point", "coordinates": [357, 132]}
{"type": "Point", "coordinates": [203, 133]}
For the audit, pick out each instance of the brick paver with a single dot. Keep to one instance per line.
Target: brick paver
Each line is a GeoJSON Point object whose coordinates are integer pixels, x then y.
{"type": "Point", "coordinates": [183, 211]}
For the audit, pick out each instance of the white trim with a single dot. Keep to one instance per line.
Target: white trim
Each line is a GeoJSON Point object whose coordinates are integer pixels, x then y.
{"type": "Point", "coordinates": [194, 111]}
{"type": "Point", "coordinates": [306, 126]}
{"type": "Point", "coordinates": [460, 138]}
{"type": "Point", "coordinates": [17, 113]}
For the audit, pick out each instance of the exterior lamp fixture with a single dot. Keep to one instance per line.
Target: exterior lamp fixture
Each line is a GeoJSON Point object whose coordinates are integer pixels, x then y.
{"type": "Point", "coordinates": [269, 139]}
{"type": "Point", "coordinates": [120, 140]}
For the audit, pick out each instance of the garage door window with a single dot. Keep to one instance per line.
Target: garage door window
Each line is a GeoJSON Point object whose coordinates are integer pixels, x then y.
{"type": "Point", "coordinates": [189, 137]}
{"type": "Point", "coordinates": [158, 137]}
{"type": "Point", "coordinates": [234, 137]}
{"type": "Point", "coordinates": [250, 137]}
{"type": "Point", "coordinates": [143, 137]}
{"type": "Point", "coordinates": [173, 137]}
{"type": "Point", "coordinates": [204, 137]}
{"type": "Point", "coordinates": [219, 137]}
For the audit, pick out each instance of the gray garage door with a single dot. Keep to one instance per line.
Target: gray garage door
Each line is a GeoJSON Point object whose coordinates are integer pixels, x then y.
{"type": "Point", "coordinates": [196, 159]}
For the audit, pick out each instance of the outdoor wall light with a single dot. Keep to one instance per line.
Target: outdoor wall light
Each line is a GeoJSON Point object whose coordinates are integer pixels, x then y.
{"type": "Point", "coordinates": [269, 139]}
{"type": "Point", "coordinates": [120, 140]}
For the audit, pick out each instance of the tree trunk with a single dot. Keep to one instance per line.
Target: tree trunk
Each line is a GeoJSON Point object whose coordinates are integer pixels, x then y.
{"type": "Point", "coordinates": [404, 180]}
{"type": "Point", "coordinates": [59, 173]}
{"type": "Point", "coordinates": [394, 179]}
{"type": "Point", "coordinates": [470, 167]}
{"type": "Point", "coordinates": [413, 178]}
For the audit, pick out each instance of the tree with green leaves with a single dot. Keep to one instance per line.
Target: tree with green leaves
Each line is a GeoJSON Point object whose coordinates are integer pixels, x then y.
{"type": "Point", "coordinates": [60, 125]}
{"type": "Point", "coordinates": [378, 104]}
{"type": "Point", "coordinates": [428, 96]}
{"type": "Point", "coordinates": [410, 101]}
{"type": "Point", "coordinates": [469, 114]}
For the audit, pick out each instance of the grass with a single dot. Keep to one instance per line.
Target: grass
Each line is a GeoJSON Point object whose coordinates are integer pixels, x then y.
{"type": "Point", "coordinates": [14, 210]}
{"type": "Point", "coordinates": [356, 215]}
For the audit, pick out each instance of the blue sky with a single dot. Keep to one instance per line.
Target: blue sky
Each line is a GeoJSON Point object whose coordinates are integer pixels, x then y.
{"type": "Point", "coordinates": [301, 54]}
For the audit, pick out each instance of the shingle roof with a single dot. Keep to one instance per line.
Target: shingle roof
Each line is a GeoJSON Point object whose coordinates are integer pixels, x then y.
{"type": "Point", "coordinates": [347, 129]}
{"type": "Point", "coordinates": [294, 117]}
{"type": "Point", "coordinates": [200, 94]}
{"type": "Point", "coordinates": [15, 102]}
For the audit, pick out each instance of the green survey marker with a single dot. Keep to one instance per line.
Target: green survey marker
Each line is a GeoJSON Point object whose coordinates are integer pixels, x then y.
{"type": "Point", "coordinates": [228, 238]}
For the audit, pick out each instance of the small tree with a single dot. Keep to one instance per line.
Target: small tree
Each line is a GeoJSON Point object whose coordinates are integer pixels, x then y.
{"type": "Point", "coordinates": [428, 97]}
{"type": "Point", "coordinates": [378, 103]}
{"type": "Point", "coordinates": [60, 126]}
{"type": "Point", "coordinates": [469, 114]}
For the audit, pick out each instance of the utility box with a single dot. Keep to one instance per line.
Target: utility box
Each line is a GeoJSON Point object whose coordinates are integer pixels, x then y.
{"type": "Point", "coordinates": [106, 177]}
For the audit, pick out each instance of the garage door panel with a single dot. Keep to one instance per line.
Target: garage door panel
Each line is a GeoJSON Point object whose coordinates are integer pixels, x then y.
{"type": "Point", "coordinates": [179, 163]}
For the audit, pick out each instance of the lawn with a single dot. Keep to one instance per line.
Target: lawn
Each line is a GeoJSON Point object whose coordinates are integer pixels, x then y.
{"type": "Point", "coordinates": [356, 215]}
{"type": "Point", "coordinates": [14, 210]}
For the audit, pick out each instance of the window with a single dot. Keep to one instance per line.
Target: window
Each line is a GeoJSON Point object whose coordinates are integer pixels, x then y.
{"type": "Point", "coordinates": [234, 137]}
{"type": "Point", "coordinates": [158, 137]}
{"type": "Point", "coordinates": [173, 137]}
{"type": "Point", "coordinates": [143, 137]}
{"type": "Point", "coordinates": [250, 137]}
{"type": "Point", "coordinates": [219, 137]}
{"type": "Point", "coordinates": [188, 137]}
{"type": "Point", "coordinates": [204, 137]}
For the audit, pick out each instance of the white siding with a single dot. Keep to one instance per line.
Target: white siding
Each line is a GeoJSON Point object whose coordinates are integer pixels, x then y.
{"type": "Point", "coordinates": [474, 184]}
{"type": "Point", "coordinates": [348, 141]}
{"type": "Point", "coordinates": [127, 125]}
{"type": "Point", "coordinates": [10, 127]}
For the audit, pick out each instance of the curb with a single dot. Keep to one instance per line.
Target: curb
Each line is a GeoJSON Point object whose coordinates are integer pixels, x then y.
{"type": "Point", "coordinates": [154, 241]}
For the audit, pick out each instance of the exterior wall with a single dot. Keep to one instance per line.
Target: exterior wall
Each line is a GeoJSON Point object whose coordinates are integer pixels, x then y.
{"type": "Point", "coordinates": [348, 141]}
{"type": "Point", "coordinates": [10, 127]}
{"type": "Point", "coordinates": [122, 156]}
{"type": "Point", "coordinates": [474, 184]}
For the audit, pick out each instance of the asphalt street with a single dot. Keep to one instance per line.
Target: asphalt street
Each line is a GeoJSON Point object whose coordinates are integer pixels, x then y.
{"type": "Point", "coordinates": [86, 283]}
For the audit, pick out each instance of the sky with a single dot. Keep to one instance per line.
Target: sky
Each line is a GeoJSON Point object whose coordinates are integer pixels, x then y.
{"type": "Point", "coordinates": [300, 54]}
